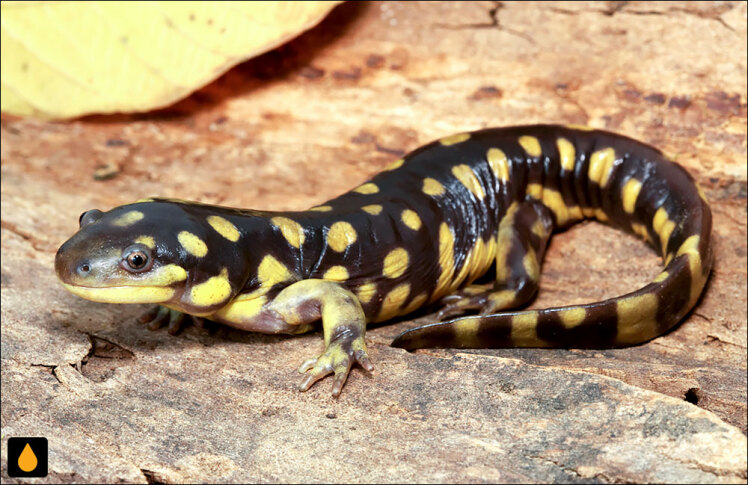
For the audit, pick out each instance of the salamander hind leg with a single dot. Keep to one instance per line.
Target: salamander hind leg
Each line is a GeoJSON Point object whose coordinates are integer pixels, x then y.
{"type": "Point", "coordinates": [521, 242]}
{"type": "Point", "coordinates": [343, 323]}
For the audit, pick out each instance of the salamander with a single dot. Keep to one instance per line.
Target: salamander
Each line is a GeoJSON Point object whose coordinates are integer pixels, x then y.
{"type": "Point", "coordinates": [420, 232]}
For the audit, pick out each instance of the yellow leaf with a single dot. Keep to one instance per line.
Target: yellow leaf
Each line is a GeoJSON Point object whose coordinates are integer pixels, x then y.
{"type": "Point", "coordinates": [67, 59]}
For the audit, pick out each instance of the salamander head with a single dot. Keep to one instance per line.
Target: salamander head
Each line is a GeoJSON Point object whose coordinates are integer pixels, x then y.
{"type": "Point", "coordinates": [151, 252]}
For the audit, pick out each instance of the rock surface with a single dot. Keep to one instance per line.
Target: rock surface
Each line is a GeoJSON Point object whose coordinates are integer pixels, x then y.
{"type": "Point", "coordinates": [313, 119]}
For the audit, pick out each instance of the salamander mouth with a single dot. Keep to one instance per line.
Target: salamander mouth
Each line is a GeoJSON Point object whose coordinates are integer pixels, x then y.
{"type": "Point", "coordinates": [122, 294]}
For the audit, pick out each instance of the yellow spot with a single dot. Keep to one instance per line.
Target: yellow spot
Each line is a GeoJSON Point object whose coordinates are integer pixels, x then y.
{"type": "Point", "coordinates": [636, 318]}
{"type": "Point", "coordinates": [411, 219]}
{"type": "Point", "coordinates": [525, 329]}
{"type": "Point", "coordinates": [374, 209]}
{"type": "Point", "coordinates": [166, 275]}
{"type": "Point", "coordinates": [395, 263]}
{"type": "Point", "coordinates": [241, 310]}
{"type": "Point", "coordinates": [630, 193]}
{"type": "Point", "coordinates": [467, 177]}
{"type": "Point", "coordinates": [452, 139]}
{"type": "Point", "coordinates": [466, 331]}
{"type": "Point", "coordinates": [579, 127]}
{"type": "Point", "coordinates": [340, 236]}
{"type": "Point", "coordinates": [271, 271]}
{"type": "Point", "coordinates": [321, 208]}
{"type": "Point", "coordinates": [499, 164]}
{"type": "Point", "coordinates": [147, 199]}
{"type": "Point", "coordinates": [432, 187]}
{"type": "Point", "coordinates": [601, 164]}
{"type": "Point", "coordinates": [147, 241]}
{"type": "Point", "coordinates": [192, 244]}
{"type": "Point", "coordinates": [600, 215]}
{"type": "Point", "coordinates": [336, 273]}
{"type": "Point", "coordinates": [571, 317]}
{"type": "Point", "coordinates": [366, 292]}
{"type": "Point", "coordinates": [531, 145]}
{"type": "Point", "coordinates": [368, 188]}
{"type": "Point", "coordinates": [128, 219]}
{"type": "Point", "coordinates": [213, 291]}
{"type": "Point", "coordinates": [416, 303]}
{"type": "Point", "coordinates": [664, 227]}
{"type": "Point", "coordinates": [661, 277]}
{"type": "Point", "coordinates": [641, 230]}
{"type": "Point", "coordinates": [567, 153]}
{"type": "Point", "coordinates": [396, 164]}
{"type": "Point", "coordinates": [393, 301]}
{"type": "Point", "coordinates": [291, 230]}
{"type": "Point", "coordinates": [224, 227]}
{"type": "Point", "coordinates": [530, 262]}
{"type": "Point", "coordinates": [446, 260]}
{"type": "Point", "coordinates": [27, 460]}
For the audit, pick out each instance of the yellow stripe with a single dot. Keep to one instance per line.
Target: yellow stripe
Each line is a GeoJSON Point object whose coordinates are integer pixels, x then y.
{"type": "Point", "coordinates": [499, 164]}
{"type": "Point", "coordinates": [629, 194]}
{"type": "Point", "coordinates": [601, 164]}
{"type": "Point", "coordinates": [636, 318]}
{"type": "Point", "coordinates": [566, 153]}
{"type": "Point", "coordinates": [468, 178]}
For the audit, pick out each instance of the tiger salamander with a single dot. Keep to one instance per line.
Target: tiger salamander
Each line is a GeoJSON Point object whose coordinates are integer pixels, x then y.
{"type": "Point", "coordinates": [420, 232]}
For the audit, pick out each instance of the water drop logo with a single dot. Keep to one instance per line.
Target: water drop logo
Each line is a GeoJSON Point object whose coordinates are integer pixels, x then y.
{"type": "Point", "coordinates": [27, 457]}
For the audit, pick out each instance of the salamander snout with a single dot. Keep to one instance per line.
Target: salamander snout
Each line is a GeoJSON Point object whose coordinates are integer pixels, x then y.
{"type": "Point", "coordinates": [68, 266]}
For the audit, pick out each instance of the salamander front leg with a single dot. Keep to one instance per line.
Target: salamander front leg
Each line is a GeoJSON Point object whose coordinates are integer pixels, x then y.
{"type": "Point", "coordinates": [343, 322]}
{"type": "Point", "coordinates": [159, 315]}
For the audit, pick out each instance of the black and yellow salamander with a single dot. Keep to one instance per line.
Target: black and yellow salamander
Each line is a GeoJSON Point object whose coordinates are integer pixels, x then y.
{"type": "Point", "coordinates": [419, 232]}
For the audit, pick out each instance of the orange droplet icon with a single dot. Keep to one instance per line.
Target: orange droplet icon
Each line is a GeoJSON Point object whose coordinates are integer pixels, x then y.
{"type": "Point", "coordinates": [27, 460]}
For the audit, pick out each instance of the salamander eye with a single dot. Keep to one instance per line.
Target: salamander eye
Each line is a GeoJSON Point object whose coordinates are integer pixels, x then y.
{"type": "Point", "coordinates": [136, 259]}
{"type": "Point", "coordinates": [89, 216]}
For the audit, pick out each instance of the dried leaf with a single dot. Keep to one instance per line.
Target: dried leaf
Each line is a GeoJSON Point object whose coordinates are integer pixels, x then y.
{"type": "Point", "coordinates": [66, 59]}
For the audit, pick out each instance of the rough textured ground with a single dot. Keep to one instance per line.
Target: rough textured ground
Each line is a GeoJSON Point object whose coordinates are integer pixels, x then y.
{"type": "Point", "coordinates": [316, 117]}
